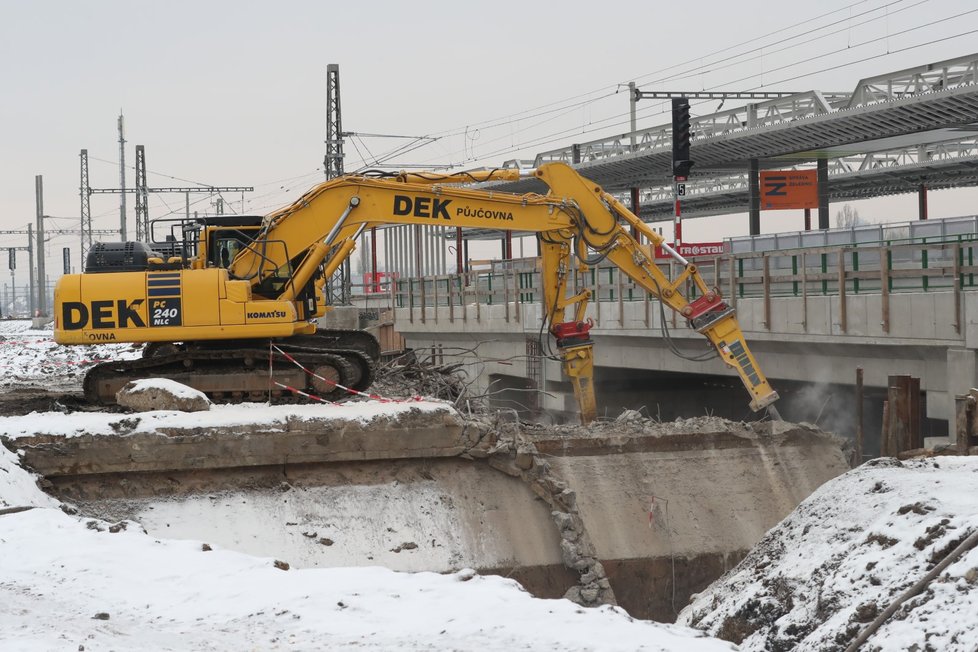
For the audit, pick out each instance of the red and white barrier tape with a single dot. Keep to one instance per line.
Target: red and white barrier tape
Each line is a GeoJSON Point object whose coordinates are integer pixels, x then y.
{"type": "Point", "coordinates": [55, 363]}
{"type": "Point", "coordinates": [349, 390]}
{"type": "Point", "coordinates": [304, 394]}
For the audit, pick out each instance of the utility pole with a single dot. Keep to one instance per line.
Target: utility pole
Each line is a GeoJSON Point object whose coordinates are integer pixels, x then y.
{"type": "Point", "coordinates": [30, 266]}
{"type": "Point", "coordinates": [122, 181]}
{"type": "Point", "coordinates": [35, 294]}
{"type": "Point", "coordinates": [84, 192]}
{"type": "Point", "coordinates": [42, 291]}
{"type": "Point", "coordinates": [142, 197]}
{"type": "Point", "coordinates": [142, 190]}
{"type": "Point", "coordinates": [633, 125]}
{"type": "Point", "coordinates": [337, 286]}
{"type": "Point", "coordinates": [333, 161]}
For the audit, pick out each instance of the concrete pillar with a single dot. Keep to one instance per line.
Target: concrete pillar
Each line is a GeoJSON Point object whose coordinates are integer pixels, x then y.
{"type": "Point", "coordinates": [822, 174]}
{"type": "Point", "coordinates": [754, 194]}
{"type": "Point", "coordinates": [962, 375]}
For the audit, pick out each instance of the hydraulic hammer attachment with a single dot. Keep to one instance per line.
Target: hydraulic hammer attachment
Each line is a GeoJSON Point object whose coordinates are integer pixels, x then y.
{"type": "Point", "coordinates": [716, 320]}
{"type": "Point", "coordinates": [576, 351]}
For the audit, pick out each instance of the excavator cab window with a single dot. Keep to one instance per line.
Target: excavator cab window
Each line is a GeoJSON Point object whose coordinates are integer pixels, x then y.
{"type": "Point", "coordinates": [273, 284]}
{"type": "Point", "coordinates": [227, 249]}
{"type": "Point", "coordinates": [224, 244]}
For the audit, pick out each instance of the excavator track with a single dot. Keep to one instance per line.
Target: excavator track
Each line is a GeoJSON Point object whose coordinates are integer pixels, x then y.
{"type": "Point", "coordinates": [234, 371]}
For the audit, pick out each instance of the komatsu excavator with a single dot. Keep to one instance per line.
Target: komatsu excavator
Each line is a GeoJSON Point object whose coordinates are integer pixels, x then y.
{"type": "Point", "coordinates": [227, 303]}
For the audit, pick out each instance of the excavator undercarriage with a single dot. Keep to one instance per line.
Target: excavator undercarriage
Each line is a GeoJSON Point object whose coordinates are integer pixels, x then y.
{"type": "Point", "coordinates": [326, 364]}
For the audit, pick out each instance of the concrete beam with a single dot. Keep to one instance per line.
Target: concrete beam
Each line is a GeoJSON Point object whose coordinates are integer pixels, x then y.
{"type": "Point", "coordinates": [405, 436]}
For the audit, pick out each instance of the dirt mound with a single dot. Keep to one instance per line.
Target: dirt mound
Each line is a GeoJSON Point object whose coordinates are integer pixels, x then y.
{"type": "Point", "coordinates": [19, 401]}
{"type": "Point", "coordinates": [845, 554]}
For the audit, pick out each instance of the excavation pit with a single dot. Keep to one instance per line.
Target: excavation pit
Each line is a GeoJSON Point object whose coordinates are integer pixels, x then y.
{"type": "Point", "coordinates": [638, 513]}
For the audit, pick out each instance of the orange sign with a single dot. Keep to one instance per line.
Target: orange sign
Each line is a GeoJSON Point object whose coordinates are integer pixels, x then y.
{"type": "Point", "coordinates": [784, 189]}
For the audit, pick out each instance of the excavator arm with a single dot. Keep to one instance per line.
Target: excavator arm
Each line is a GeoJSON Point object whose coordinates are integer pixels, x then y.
{"type": "Point", "coordinates": [575, 221]}
{"type": "Point", "coordinates": [600, 229]}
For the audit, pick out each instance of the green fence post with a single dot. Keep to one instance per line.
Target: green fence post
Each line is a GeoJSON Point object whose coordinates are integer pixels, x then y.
{"type": "Point", "coordinates": [794, 274]}
{"type": "Point", "coordinates": [889, 267]}
{"type": "Point", "coordinates": [825, 270]}
{"type": "Point", "coordinates": [740, 274]}
{"type": "Point", "coordinates": [971, 262]}
{"type": "Point", "coordinates": [923, 260]}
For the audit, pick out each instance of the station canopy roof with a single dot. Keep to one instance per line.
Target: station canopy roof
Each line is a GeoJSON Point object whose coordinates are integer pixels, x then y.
{"type": "Point", "coordinates": [894, 133]}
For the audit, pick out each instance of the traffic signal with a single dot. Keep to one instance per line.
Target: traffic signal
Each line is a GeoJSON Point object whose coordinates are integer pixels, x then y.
{"type": "Point", "coordinates": [681, 168]}
{"type": "Point", "coordinates": [12, 260]}
{"type": "Point", "coordinates": [680, 137]}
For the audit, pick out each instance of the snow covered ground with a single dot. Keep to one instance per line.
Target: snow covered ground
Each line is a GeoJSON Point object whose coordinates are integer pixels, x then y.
{"type": "Point", "coordinates": [72, 583]}
{"type": "Point", "coordinates": [812, 583]}
{"type": "Point", "coordinates": [846, 553]}
{"type": "Point", "coordinates": [69, 583]}
{"type": "Point", "coordinates": [32, 357]}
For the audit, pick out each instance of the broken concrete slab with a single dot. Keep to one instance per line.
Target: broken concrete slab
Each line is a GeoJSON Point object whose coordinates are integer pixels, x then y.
{"type": "Point", "coordinates": [168, 441]}
{"type": "Point", "coordinates": [148, 394]}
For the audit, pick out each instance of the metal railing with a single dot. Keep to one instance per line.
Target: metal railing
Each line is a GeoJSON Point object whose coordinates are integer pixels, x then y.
{"type": "Point", "coordinates": [882, 268]}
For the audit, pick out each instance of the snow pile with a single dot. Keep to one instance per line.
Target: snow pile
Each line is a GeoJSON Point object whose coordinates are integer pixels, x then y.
{"type": "Point", "coordinates": [165, 384]}
{"type": "Point", "coordinates": [29, 356]}
{"type": "Point", "coordinates": [72, 583]}
{"type": "Point", "coordinates": [18, 488]}
{"type": "Point", "coordinates": [839, 560]}
{"type": "Point", "coordinates": [253, 415]}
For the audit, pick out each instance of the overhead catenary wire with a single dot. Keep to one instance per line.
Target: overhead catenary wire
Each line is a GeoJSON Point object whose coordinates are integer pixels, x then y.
{"type": "Point", "coordinates": [562, 107]}
{"type": "Point", "coordinates": [706, 62]}
{"type": "Point", "coordinates": [611, 90]}
{"type": "Point", "coordinates": [620, 119]}
{"type": "Point", "coordinates": [610, 122]}
{"type": "Point", "coordinates": [558, 137]}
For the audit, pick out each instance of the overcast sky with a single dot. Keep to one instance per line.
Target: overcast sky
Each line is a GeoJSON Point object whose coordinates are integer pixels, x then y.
{"type": "Point", "coordinates": [233, 93]}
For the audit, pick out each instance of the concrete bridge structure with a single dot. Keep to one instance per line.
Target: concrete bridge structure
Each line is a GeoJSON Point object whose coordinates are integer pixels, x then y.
{"type": "Point", "coordinates": [814, 306]}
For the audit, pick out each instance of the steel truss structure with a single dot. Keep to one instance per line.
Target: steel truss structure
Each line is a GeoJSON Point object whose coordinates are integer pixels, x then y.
{"type": "Point", "coordinates": [894, 133]}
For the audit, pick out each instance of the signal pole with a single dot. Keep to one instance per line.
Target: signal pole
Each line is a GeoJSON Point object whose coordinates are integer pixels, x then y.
{"type": "Point", "coordinates": [680, 162]}
{"type": "Point", "coordinates": [681, 134]}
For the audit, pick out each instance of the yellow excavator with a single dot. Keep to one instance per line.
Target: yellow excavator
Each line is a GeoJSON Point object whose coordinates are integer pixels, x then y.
{"type": "Point", "coordinates": [228, 304]}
